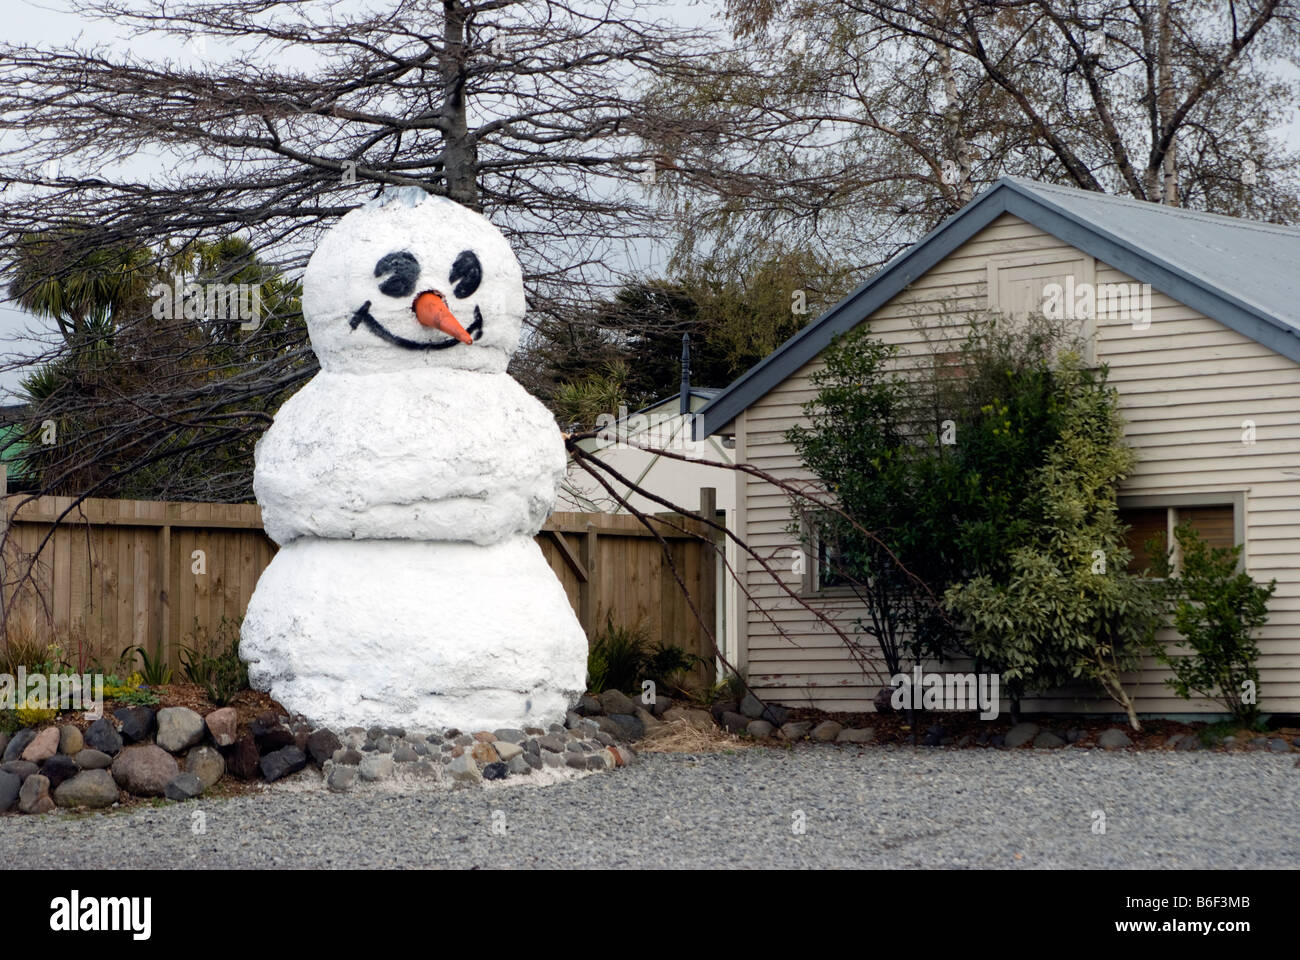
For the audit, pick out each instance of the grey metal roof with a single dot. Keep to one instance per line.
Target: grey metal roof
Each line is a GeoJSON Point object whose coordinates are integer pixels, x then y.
{"type": "Point", "coordinates": [1242, 273]}
{"type": "Point", "coordinates": [703, 393]}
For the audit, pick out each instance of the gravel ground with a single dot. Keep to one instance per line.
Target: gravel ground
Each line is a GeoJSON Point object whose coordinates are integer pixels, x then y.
{"type": "Point", "coordinates": [861, 807]}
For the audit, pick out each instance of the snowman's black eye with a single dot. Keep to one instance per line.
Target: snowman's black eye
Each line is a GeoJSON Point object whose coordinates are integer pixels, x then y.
{"type": "Point", "coordinates": [405, 270]}
{"type": "Point", "coordinates": [466, 274]}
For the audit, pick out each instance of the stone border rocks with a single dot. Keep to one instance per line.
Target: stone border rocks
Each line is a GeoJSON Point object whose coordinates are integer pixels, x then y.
{"type": "Point", "coordinates": [457, 759]}
{"type": "Point", "coordinates": [177, 754]}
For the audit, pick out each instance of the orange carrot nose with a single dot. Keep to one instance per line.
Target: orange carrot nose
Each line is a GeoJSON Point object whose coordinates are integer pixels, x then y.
{"type": "Point", "coordinates": [431, 310]}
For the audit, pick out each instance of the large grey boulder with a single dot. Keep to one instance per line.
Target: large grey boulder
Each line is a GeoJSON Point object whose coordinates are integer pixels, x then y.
{"type": "Point", "coordinates": [145, 770]}
{"type": "Point", "coordinates": [102, 735]}
{"type": "Point", "coordinates": [1020, 734]}
{"type": "Point", "coordinates": [796, 729]}
{"type": "Point", "coordinates": [1114, 739]}
{"type": "Point", "coordinates": [10, 784]}
{"type": "Point", "coordinates": [179, 728]}
{"type": "Point", "coordinates": [280, 763]}
{"type": "Point", "coordinates": [205, 763]}
{"type": "Point", "coordinates": [18, 743]}
{"type": "Point", "coordinates": [615, 701]}
{"type": "Point", "coordinates": [185, 786]}
{"type": "Point", "coordinates": [90, 788]}
{"type": "Point", "coordinates": [826, 731]}
{"type": "Point", "coordinates": [864, 735]}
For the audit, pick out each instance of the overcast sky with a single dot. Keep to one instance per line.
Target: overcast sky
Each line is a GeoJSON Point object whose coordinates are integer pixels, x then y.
{"type": "Point", "coordinates": [48, 22]}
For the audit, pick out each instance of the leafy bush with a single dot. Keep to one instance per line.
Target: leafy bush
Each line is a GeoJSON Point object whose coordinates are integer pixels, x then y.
{"type": "Point", "coordinates": [1215, 608]}
{"type": "Point", "coordinates": [978, 491]}
{"type": "Point", "coordinates": [621, 657]}
{"type": "Point", "coordinates": [1066, 607]}
{"type": "Point", "coordinates": [213, 662]}
{"type": "Point", "coordinates": [937, 467]}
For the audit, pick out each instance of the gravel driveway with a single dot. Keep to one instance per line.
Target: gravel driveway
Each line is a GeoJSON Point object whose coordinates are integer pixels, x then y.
{"type": "Point", "coordinates": [861, 807]}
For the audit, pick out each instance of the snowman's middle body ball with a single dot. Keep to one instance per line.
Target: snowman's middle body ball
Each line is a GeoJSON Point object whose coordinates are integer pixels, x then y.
{"type": "Point", "coordinates": [405, 488]}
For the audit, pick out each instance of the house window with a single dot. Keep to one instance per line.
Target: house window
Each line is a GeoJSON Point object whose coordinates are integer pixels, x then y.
{"type": "Point", "coordinates": [1218, 518]}
{"type": "Point", "coordinates": [823, 570]}
{"type": "Point", "coordinates": [829, 566]}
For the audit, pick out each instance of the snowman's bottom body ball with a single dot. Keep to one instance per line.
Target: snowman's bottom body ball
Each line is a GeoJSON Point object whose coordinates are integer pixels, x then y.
{"type": "Point", "coordinates": [424, 634]}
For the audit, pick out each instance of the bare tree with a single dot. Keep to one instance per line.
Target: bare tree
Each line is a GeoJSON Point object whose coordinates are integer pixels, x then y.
{"type": "Point", "coordinates": [855, 125]}
{"type": "Point", "coordinates": [528, 111]}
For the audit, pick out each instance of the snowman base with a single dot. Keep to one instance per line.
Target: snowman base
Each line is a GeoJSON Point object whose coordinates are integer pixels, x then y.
{"type": "Point", "coordinates": [418, 633]}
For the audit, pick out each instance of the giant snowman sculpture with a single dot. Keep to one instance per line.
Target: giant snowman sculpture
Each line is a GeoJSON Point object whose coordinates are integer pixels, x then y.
{"type": "Point", "coordinates": [405, 483]}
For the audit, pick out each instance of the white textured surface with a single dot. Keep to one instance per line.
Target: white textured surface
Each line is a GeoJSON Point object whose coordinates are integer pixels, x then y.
{"type": "Point", "coordinates": [351, 633]}
{"type": "Point", "coordinates": [340, 278]}
{"type": "Point", "coordinates": [432, 454]}
{"type": "Point", "coordinates": [405, 485]}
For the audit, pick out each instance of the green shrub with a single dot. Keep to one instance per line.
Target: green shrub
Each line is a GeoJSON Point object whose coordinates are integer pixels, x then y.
{"type": "Point", "coordinates": [1215, 608]}
{"type": "Point", "coordinates": [937, 467]}
{"type": "Point", "coordinates": [621, 658]}
{"type": "Point", "coordinates": [155, 672]}
{"type": "Point", "coordinates": [1066, 608]}
{"type": "Point", "coordinates": [213, 662]}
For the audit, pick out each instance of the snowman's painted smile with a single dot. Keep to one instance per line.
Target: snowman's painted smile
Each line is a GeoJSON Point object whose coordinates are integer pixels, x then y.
{"type": "Point", "coordinates": [363, 316]}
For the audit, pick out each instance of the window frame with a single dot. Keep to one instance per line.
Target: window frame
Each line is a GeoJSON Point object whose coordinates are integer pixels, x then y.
{"type": "Point", "coordinates": [1081, 265]}
{"type": "Point", "coordinates": [1236, 499]}
{"type": "Point", "coordinates": [812, 586]}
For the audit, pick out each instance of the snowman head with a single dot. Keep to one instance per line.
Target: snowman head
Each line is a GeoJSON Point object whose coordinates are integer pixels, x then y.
{"type": "Point", "coordinates": [413, 280]}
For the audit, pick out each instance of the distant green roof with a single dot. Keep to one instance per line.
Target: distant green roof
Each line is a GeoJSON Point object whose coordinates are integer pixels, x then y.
{"type": "Point", "coordinates": [13, 449]}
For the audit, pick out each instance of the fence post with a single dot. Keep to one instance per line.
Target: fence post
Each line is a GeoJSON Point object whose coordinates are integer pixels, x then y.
{"type": "Point", "coordinates": [709, 582]}
{"type": "Point", "coordinates": [164, 593]}
{"type": "Point", "coordinates": [4, 553]}
{"type": "Point", "coordinates": [587, 588]}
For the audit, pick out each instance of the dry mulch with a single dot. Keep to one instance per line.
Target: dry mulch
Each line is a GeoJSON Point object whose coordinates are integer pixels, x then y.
{"type": "Point", "coordinates": [679, 736]}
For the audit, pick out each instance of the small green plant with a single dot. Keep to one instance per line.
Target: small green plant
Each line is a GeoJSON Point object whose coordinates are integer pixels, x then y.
{"type": "Point", "coordinates": [213, 662]}
{"type": "Point", "coordinates": [131, 691]}
{"type": "Point", "coordinates": [621, 658]}
{"type": "Point", "coordinates": [735, 687]}
{"type": "Point", "coordinates": [615, 658]}
{"type": "Point", "coordinates": [730, 687]}
{"type": "Point", "coordinates": [156, 673]}
{"type": "Point", "coordinates": [711, 693]}
{"type": "Point", "coordinates": [1212, 734]}
{"type": "Point", "coordinates": [139, 697]}
{"type": "Point", "coordinates": [31, 716]}
{"type": "Point", "coordinates": [1215, 608]}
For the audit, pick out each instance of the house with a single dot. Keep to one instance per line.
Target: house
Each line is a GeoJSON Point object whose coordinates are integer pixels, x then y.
{"type": "Point", "coordinates": [14, 448]}
{"type": "Point", "coordinates": [1206, 362]}
{"type": "Point", "coordinates": [644, 448]}
{"type": "Point", "coordinates": [634, 445]}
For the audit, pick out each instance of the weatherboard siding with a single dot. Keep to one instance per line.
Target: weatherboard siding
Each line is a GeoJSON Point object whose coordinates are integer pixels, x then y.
{"type": "Point", "coordinates": [1186, 385]}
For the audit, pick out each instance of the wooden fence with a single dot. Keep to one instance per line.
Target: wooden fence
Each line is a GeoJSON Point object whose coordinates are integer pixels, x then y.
{"type": "Point", "coordinates": [113, 574]}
